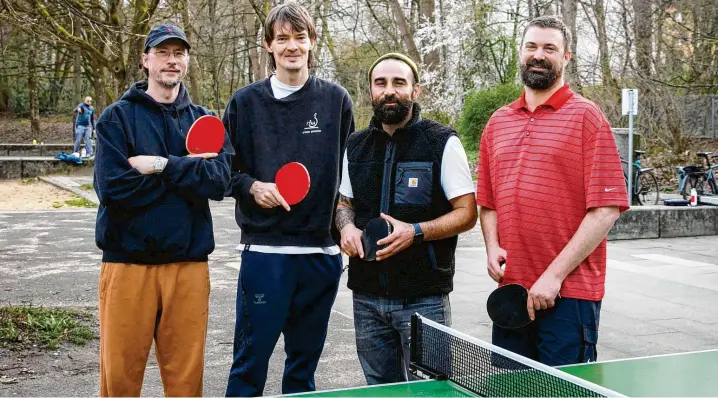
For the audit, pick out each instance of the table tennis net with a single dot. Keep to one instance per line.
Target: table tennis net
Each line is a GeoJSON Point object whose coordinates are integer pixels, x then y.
{"type": "Point", "coordinates": [487, 370]}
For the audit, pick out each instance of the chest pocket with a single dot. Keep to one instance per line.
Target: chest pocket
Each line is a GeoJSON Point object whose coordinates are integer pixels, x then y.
{"type": "Point", "coordinates": [413, 183]}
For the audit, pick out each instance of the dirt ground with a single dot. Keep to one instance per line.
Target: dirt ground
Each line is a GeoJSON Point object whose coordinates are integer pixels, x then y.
{"type": "Point", "coordinates": [53, 130]}
{"type": "Point", "coordinates": [34, 365]}
{"type": "Point", "coordinates": [32, 194]}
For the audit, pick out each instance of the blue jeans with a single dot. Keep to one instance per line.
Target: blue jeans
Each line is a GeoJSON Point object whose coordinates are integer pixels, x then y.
{"type": "Point", "coordinates": [383, 329]}
{"type": "Point", "coordinates": [562, 335]}
{"type": "Point", "coordinates": [289, 294]}
{"type": "Point", "coordinates": [83, 133]}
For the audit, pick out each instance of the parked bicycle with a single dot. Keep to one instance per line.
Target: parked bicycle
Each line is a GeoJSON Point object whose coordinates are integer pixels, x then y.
{"type": "Point", "coordinates": [701, 178]}
{"type": "Point", "coordinates": [645, 184]}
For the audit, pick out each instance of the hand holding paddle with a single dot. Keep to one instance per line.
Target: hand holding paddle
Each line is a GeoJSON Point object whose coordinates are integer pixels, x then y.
{"type": "Point", "coordinates": [512, 306]}
{"type": "Point", "coordinates": [267, 195]}
{"type": "Point", "coordinates": [291, 185]}
{"type": "Point", "coordinates": [543, 294]}
{"type": "Point", "coordinates": [375, 231]}
{"type": "Point", "coordinates": [402, 236]}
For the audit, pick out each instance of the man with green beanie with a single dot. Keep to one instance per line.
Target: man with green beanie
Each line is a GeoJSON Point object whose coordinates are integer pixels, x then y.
{"type": "Point", "coordinates": [414, 176]}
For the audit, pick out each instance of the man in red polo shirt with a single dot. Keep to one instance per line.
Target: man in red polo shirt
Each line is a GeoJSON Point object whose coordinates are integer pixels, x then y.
{"type": "Point", "coordinates": [550, 187]}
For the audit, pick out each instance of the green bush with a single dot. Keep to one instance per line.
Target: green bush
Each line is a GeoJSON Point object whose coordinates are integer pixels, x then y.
{"type": "Point", "coordinates": [439, 117]}
{"type": "Point", "coordinates": [479, 105]}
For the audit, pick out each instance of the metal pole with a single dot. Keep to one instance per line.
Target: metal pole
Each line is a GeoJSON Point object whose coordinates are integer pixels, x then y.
{"type": "Point", "coordinates": [713, 116]}
{"type": "Point", "coordinates": [629, 171]}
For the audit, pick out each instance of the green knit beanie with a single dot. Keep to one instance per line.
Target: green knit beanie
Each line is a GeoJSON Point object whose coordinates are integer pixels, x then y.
{"type": "Point", "coordinates": [401, 57]}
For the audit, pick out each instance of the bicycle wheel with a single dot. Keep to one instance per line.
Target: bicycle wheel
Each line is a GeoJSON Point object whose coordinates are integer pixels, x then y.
{"type": "Point", "coordinates": [648, 190]}
{"type": "Point", "coordinates": [710, 188]}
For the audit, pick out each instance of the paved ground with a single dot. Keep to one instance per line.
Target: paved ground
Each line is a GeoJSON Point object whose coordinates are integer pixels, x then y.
{"type": "Point", "coordinates": [661, 297]}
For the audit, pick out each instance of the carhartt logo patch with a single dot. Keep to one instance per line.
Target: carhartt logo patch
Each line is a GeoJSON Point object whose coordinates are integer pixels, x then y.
{"type": "Point", "coordinates": [413, 182]}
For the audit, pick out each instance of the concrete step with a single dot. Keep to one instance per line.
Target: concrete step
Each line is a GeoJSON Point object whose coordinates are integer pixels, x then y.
{"type": "Point", "coordinates": [643, 222]}
{"type": "Point", "coordinates": [73, 184]}
{"type": "Point", "coordinates": [36, 149]}
{"type": "Point", "coordinates": [18, 167]}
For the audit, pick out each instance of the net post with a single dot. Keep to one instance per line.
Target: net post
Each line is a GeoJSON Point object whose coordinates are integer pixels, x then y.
{"type": "Point", "coordinates": [415, 340]}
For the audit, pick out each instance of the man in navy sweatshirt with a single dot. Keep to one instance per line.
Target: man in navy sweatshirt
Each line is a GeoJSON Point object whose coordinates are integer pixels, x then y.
{"type": "Point", "coordinates": [291, 264]}
{"type": "Point", "coordinates": [154, 226]}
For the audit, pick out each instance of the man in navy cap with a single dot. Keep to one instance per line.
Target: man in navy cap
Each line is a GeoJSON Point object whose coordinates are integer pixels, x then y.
{"type": "Point", "coordinates": [154, 226]}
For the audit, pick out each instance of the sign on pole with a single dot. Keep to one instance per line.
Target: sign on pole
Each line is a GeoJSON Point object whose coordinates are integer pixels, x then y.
{"type": "Point", "coordinates": [629, 106]}
{"type": "Point", "coordinates": [629, 101]}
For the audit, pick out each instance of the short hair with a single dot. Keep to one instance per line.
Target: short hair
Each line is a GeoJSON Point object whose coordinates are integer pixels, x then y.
{"type": "Point", "coordinates": [298, 18]}
{"type": "Point", "coordinates": [550, 22]}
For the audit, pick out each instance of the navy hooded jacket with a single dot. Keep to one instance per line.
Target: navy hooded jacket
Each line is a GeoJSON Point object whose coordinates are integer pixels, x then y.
{"type": "Point", "coordinates": [155, 218]}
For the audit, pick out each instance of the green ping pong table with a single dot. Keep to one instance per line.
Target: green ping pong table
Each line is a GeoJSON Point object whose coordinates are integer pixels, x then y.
{"type": "Point", "coordinates": [691, 374]}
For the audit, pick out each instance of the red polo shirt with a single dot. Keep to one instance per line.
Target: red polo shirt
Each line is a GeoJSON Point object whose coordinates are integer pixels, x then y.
{"type": "Point", "coordinates": [542, 171]}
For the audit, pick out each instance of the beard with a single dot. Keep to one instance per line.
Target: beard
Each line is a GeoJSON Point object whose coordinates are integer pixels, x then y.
{"type": "Point", "coordinates": [540, 80]}
{"type": "Point", "coordinates": [392, 114]}
{"type": "Point", "coordinates": [167, 82]}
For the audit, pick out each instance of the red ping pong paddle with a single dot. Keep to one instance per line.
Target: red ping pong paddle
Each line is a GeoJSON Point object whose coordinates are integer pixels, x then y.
{"type": "Point", "coordinates": [293, 182]}
{"type": "Point", "coordinates": [206, 135]}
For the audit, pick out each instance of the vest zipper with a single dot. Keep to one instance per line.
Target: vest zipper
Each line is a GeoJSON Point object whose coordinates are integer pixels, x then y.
{"type": "Point", "coordinates": [385, 197]}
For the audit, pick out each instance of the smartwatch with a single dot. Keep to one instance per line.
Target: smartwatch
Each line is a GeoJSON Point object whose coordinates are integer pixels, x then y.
{"type": "Point", "coordinates": [418, 234]}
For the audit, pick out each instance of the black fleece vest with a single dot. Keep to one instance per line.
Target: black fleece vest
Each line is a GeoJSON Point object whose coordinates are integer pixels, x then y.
{"type": "Point", "coordinates": [401, 176]}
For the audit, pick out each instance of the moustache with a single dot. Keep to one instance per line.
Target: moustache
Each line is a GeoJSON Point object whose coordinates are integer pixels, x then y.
{"type": "Point", "coordinates": [545, 64]}
{"type": "Point", "coordinates": [388, 99]}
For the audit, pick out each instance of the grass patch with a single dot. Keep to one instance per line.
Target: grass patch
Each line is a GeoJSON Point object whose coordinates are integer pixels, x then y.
{"type": "Point", "coordinates": [87, 187]}
{"type": "Point", "coordinates": [80, 202]}
{"type": "Point", "coordinates": [46, 327]}
{"type": "Point", "coordinates": [27, 181]}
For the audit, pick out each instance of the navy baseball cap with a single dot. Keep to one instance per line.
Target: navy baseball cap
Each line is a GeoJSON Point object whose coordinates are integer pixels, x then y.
{"type": "Point", "coordinates": [160, 33]}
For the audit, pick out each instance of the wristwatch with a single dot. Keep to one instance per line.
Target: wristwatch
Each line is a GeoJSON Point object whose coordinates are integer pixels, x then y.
{"type": "Point", "coordinates": [418, 234]}
{"type": "Point", "coordinates": [160, 164]}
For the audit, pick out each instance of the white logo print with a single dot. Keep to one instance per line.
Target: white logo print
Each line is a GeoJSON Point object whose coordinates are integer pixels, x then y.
{"type": "Point", "coordinates": [413, 182]}
{"type": "Point", "coordinates": [259, 298]}
{"type": "Point", "coordinates": [609, 189]}
{"type": "Point", "coordinates": [312, 126]}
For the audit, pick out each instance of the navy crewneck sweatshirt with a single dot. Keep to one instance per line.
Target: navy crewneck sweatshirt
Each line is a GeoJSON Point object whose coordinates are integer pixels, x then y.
{"type": "Point", "coordinates": [310, 126]}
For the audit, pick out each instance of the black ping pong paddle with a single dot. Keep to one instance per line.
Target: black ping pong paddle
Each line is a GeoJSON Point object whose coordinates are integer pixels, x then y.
{"type": "Point", "coordinates": [374, 230]}
{"type": "Point", "coordinates": [507, 306]}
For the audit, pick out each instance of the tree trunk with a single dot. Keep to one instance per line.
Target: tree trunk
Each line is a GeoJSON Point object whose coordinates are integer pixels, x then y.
{"type": "Point", "coordinates": [569, 18]}
{"type": "Point", "coordinates": [100, 90]}
{"type": "Point", "coordinates": [404, 31]}
{"type": "Point", "coordinates": [144, 9]}
{"type": "Point", "coordinates": [77, 64]}
{"type": "Point", "coordinates": [428, 15]}
{"type": "Point", "coordinates": [193, 71]}
{"type": "Point", "coordinates": [214, 56]}
{"type": "Point", "coordinates": [251, 30]}
{"type": "Point", "coordinates": [4, 86]}
{"type": "Point", "coordinates": [512, 70]}
{"type": "Point", "coordinates": [32, 90]}
{"type": "Point", "coordinates": [599, 10]}
{"type": "Point", "coordinates": [531, 8]}
{"type": "Point", "coordinates": [642, 29]}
